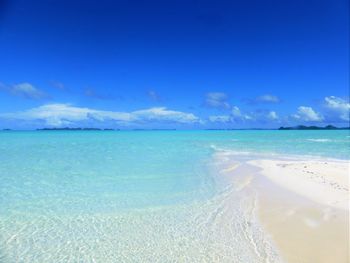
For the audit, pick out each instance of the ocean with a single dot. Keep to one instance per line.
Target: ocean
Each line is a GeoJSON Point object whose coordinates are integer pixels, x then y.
{"type": "Point", "coordinates": [139, 196]}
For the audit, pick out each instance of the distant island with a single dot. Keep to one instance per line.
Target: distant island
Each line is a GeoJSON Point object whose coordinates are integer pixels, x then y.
{"type": "Point", "coordinates": [154, 129]}
{"type": "Point", "coordinates": [97, 129]}
{"type": "Point", "coordinates": [299, 127]}
{"type": "Point", "coordinates": [302, 127]}
{"type": "Point", "coordinates": [73, 129]}
{"type": "Point", "coordinates": [242, 129]}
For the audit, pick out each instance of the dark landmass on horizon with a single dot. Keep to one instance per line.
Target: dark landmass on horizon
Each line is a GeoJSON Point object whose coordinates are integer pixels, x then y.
{"type": "Point", "coordinates": [299, 127]}
{"type": "Point", "coordinates": [75, 129]}
{"type": "Point", "coordinates": [97, 129]}
{"type": "Point", "coordinates": [302, 127]}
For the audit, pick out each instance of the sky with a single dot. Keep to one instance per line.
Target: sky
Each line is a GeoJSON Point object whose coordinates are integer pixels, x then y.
{"type": "Point", "coordinates": [173, 64]}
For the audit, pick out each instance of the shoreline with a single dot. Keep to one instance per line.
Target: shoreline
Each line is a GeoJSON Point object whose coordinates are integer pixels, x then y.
{"type": "Point", "coordinates": [302, 203]}
{"type": "Point", "coordinates": [303, 231]}
{"type": "Point", "coordinates": [325, 182]}
{"type": "Point", "coordinates": [250, 219]}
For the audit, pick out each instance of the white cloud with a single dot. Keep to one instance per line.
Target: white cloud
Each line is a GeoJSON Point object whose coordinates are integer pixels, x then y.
{"type": "Point", "coordinates": [163, 114]}
{"type": "Point", "coordinates": [235, 116]}
{"type": "Point", "coordinates": [65, 114]}
{"type": "Point", "coordinates": [338, 106]}
{"type": "Point", "coordinates": [25, 90]}
{"type": "Point", "coordinates": [238, 115]}
{"type": "Point", "coordinates": [217, 100]}
{"type": "Point", "coordinates": [307, 114]}
{"type": "Point", "coordinates": [220, 118]}
{"type": "Point", "coordinates": [268, 98]}
{"type": "Point", "coordinates": [236, 112]}
{"type": "Point", "coordinates": [272, 115]}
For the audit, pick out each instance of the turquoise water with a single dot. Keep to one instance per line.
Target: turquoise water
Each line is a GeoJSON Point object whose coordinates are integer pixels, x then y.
{"type": "Point", "coordinates": [98, 196]}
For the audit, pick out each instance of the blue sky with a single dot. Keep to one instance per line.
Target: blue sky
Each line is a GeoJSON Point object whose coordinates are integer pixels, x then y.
{"type": "Point", "coordinates": [173, 64]}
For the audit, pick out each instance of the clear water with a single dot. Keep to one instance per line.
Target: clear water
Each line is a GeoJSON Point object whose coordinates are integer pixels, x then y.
{"type": "Point", "coordinates": [136, 196]}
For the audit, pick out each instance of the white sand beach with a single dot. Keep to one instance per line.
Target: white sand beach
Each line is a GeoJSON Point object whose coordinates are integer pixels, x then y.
{"type": "Point", "coordinates": [304, 206]}
{"type": "Point", "coordinates": [322, 181]}
{"type": "Point", "coordinates": [302, 202]}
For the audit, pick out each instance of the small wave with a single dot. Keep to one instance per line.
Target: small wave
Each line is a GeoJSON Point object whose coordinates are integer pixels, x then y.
{"type": "Point", "coordinates": [319, 140]}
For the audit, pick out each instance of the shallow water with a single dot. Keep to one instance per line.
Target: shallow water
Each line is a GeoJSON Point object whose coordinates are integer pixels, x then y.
{"type": "Point", "coordinates": [141, 196]}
